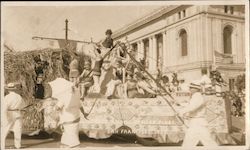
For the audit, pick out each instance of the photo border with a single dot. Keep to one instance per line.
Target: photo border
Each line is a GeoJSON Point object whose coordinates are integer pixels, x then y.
{"type": "Point", "coordinates": [145, 3]}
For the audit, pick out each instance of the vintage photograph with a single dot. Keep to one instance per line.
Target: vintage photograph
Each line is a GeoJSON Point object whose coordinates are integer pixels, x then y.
{"type": "Point", "coordinates": [125, 75]}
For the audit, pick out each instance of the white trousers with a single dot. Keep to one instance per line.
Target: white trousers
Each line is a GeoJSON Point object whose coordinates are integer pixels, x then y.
{"type": "Point", "coordinates": [198, 132]}
{"type": "Point", "coordinates": [16, 127]}
{"type": "Point", "coordinates": [70, 136]}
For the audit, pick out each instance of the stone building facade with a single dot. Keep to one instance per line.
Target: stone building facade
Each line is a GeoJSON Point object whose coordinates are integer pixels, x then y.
{"type": "Point", "coordinates": [187, 38]}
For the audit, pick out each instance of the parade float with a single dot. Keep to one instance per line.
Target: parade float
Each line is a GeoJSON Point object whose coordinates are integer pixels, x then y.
{"type": "Point", "coordinates": [147, 118]}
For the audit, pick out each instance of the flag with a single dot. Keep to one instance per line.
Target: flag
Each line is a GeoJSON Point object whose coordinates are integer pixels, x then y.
{"type": "Point", "coordinates": [223, 58]}
{"type": "Point", "coordinates": [69, 44]}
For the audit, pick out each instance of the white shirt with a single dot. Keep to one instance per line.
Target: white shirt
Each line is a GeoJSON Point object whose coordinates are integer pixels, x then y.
{"type": "Point", "coordinates": [196, 106]}
{"type": "Point", "coordinates": [205, 80]}
{"type": "Point", "coordinates": [12, 101]}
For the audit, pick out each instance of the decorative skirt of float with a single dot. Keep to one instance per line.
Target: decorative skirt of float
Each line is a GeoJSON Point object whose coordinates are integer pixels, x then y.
{"type": "Point", "coordinates": [32, 118]}
{"type": "Point", "coordinates": [151, 120]}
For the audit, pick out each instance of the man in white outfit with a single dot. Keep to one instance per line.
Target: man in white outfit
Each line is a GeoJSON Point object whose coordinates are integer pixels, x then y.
{"type": "Point", "coordinates": [69, 104]}
{"type": "Point", "coordinates": [195, 111]}
{"type": "Point", "coordinates": [12, 118]}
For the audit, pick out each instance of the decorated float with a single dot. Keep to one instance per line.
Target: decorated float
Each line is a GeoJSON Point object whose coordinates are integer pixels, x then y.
{"type": "Point", "coordinates": [147, 118]}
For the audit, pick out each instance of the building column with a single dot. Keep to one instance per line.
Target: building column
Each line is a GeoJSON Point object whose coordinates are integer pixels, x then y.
{"type": "Point", "coordinates": [164, 51]}
{"type": "Point", "coordinates": [152, 55]}
{"type": "Point", "coordinates": [140, 50]}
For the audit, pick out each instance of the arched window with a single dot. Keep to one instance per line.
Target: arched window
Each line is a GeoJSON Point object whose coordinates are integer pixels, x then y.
{"type": "Point", "coordinates": [225, 9]}
{"type": "Point", "coordinates": [183, 42]}
{"type": "Point", "coordinates": [227, 39]}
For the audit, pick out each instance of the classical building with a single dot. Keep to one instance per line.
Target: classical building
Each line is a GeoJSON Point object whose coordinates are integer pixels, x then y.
{"type": "Point", "coordinates": [188, 38]}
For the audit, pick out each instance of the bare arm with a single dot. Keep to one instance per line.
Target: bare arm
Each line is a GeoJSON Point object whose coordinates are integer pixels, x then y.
{"type": "Point", "coordinates": [97, 55]}
{"type": "Point", "coordinates": [144, 86]}
{"type": "Point", "coordinates": [195, 103]}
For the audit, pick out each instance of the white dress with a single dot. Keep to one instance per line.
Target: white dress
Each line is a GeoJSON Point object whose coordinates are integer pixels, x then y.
{"type": "Point", "coordinates": [70, 105]}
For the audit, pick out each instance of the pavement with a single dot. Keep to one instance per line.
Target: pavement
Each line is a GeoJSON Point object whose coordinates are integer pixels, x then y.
{"type": "Point", "coordinates": [44, 140]}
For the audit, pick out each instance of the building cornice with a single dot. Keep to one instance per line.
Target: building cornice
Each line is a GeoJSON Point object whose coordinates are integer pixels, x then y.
{"type": "Point", "coordinates": [201, 64]}
{"type": "Point", "coordinates": [144, 20]}
{"type": "Point", "coordinates": [164, 11]}
{"type": "Point", "coordinates": [168, 26]}
{"type": "Point", "coordinates": [226, 16]}
{"type": "Point", "coordinates": [188, 66]}
{"type": "Point", "coordinates": [235, 66]}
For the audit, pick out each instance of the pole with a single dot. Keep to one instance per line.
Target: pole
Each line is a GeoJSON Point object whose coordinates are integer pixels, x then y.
{"type": "Point", "coordinates": [66, 30]}
{"type": "Point", "coordinates": [158, 84]}
{"type": "Point", "coordinates": [57, 39]}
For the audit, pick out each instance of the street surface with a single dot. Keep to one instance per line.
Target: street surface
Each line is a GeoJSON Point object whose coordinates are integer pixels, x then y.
{"type": "Point", "coordinates": [43, 140]}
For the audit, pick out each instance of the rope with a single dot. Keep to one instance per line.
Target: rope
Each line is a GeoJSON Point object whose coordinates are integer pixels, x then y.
{"type": "Point", "coordinates": [158, 84]}
{"type": "Point", "coordinates": [92, 107]}
{"type": "Point", "coordinates": [217, 114]}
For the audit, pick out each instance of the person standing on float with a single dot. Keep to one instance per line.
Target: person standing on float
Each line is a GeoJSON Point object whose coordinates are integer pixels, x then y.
{"type": "Point", "coordinates": [104, 65]}
{"type": "Point", "coordinates": [74, 68]}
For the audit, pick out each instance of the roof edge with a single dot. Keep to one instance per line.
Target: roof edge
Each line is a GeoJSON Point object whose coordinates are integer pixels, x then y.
{"type": "Point", "coordinates": [144, 20]}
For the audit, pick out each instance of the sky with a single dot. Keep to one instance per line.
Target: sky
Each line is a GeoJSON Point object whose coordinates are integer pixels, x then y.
{"type": "Point", "coordinates": [20, 23]}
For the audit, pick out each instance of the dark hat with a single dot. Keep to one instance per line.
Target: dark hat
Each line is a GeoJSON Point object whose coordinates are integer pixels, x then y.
{"type": "Point", "coordinates": [109, 31]}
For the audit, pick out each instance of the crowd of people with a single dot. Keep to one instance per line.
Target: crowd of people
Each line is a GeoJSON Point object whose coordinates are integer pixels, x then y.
{"type": "Point", "coordinates": [126, 79]}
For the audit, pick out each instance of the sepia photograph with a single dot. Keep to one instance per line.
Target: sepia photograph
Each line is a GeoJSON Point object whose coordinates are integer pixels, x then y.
{"type": "Point", "coordinates": [125, 75]}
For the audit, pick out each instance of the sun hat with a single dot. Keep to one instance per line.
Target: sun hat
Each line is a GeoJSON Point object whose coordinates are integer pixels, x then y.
{"type": "Point", "coordinates": [11, 86]}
